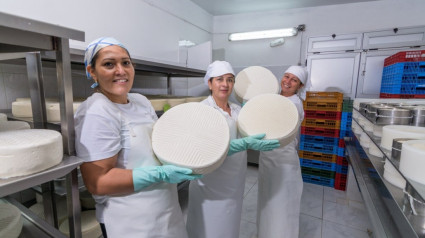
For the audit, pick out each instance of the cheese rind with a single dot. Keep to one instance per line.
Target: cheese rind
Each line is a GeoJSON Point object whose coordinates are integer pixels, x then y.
{"type": "Point", "coordinates": [11, 221]}
{"type": "Point", "coordinates": [13, 125]}
{"type": "Point", "coordinates": [393, 176]}
{"type": "Point", "coordinates": [273, 114]}
{"type": "Point", "coordinates": [400, 131]}
{"type": "Point", "coordinates": [412, 160]}
{"type": "Point", "coordinates": [253, 81]}
{"type": "Point", "coordinates": [3, 117]}
{"type": "Point", "coordinates": [191, 135]}
{"type": "Point", "coordinates": [29, 151]}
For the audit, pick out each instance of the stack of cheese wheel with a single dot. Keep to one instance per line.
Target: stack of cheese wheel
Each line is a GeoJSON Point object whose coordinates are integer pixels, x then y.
{"type": "Point", "coordinates": [13, 125]}
{"type": "Point", "coordinates": [191, 135]}
{"type": "Point", "coordinates": [253, 81]}
{"type": "Point", "coordinates": [3, 117]}
{"type": "Point", "coordinates": [10, 221]}
{"type": "Point", "coordinates": [53, 111]}
{"type": "Point", "coordinates": [158, 103]}
{"type": "Point", "coordinates": [194, 99]}
{"type": "Point", "coordinates": [29, 151]}
{"type": "Point", "coordinates": [272, 114]}
{"type": "Point", "coordinates": [374, 150]}
{"type": "Point", "coordinates": [412, 160]}
{"type": "Point", "coordinates": [393, 176]}
{"type": "Point", "coordinates": [400, 131]}
{"type": "Point", "coordinates": [61, 209]}
{"type": "Point", "coordinates": [90, 227]}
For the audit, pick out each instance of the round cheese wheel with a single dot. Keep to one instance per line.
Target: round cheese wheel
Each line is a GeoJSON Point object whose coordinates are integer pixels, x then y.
{"type": "Point", "coordinates": [22, 108]}
{"type": "Point", "coordinates": [10, 221]}
{"type": "Point", "coordinates": [393, 176]}
{"type": "Point", "coordinates": [61, 209]}
{"type": "Point", "coordinates": [253, 81]}
{"type": "Point", "coordinates": [391, 132]}
{"type": "Point", "coordinates": [90, 227]}
{"type": "Point", "coordinates": [24, 152]}
{"type": "Point", "coordinates": [158, 104]}
{"type": "Point", "coordinates": [374, 150]}
{"type": "Point", "coordinates": [272, 114]}
{"type": "Point", "coordinates": [13, 125]}
{"type": "Point", "coordinates": [191, 135]}
{"type": "Point", "coordinates": [194, 99]}
{"type": "Point", "coordinates": [3, 117]}
{"type": "Point", "coordinates": [412, 160]}
{"type": "Point", "coordinates": [53, 111]}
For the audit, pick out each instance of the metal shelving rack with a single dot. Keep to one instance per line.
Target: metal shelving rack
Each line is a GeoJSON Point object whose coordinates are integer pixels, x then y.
{"type": "Point", "coordinates": [25, 37]}
{"type": "Point", "coordinates": [388, 209]}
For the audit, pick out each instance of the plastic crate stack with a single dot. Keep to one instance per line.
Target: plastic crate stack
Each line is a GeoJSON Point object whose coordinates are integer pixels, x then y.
{"type": "Point", "coordinates": [320, 137]}
{"type": "Point", "coordinates": [345, 131]}
{"type": "Point", "coordinates": [404, 75]}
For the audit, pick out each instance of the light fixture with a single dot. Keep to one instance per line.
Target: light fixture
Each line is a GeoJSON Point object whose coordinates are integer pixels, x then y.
{"type": "Point", "coordinates": [186, 43]}
{"type": "Point", "coordinates": [277, 42]}
{"type": "Point", "coordinates": [253, 35]}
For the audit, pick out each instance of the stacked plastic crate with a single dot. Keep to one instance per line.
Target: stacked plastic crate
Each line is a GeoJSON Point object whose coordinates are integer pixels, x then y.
{"type": "Point", "coordinates": [345, 131]}
{"type": "Point", "coordinates": [404, 75]}
{"type": "Point", "coordinates": [320, 137]}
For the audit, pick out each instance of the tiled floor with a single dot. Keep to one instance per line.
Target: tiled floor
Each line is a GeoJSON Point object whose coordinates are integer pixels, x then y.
{"type": "Point", "coordinates": [325, 212]}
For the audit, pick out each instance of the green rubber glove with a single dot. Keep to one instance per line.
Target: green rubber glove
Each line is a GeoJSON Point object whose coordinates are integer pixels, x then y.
{"type": "Point", "coordinates": [146, 176]}
{"type": "Point", "coordinates": [254, 142]}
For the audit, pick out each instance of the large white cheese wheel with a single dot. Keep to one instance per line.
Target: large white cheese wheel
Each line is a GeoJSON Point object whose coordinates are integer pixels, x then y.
{"type": "Point", "coordinates": [253, 81]}
{"type": "Point", "coordinates": [90, 227]}
{"type": "Point", "coordinates": [61, 209]}
{"type": "Point", "coordinates": [374, 150]}
{"type": "Point", "coordinates": [158, 104]}
{"type": "Point", "coordinates": [412, 160]}
{"type": "Point", "coordinates": [365, 141]}
{"type": "Point", "coordinates": [10, 221]}
{"type": "Point", "coordinates": [87, 200]}
{"type": "Point", "coordinates": [3, 117]}
{"type": "Point", "coordinates": [393, 176]}
{"type": "Point", "coordinates": [377, 130]}
{"type": "Point", "coordinates": [29, 151]}
{"type": "Point", "coordinates": [272, 114]}
{"type": "Point", "coordinates": [23, 108]}
{"type": "Point", "coordinates": [13, 125]}
{"type": "Point", "coordinates": [191, 135]}
{"type": "Point", "coordinates": [391, 132]}
{"type": "Point", "coordinates": [53, 111]}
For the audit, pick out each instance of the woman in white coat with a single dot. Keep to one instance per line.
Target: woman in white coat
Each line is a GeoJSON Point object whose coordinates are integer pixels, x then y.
{"type": "Point", "coordinates": [135, 196]}
{"type": "Point", "coordinates": [280, 183]}
{"type": "Point", "coordinates": [215, 201]}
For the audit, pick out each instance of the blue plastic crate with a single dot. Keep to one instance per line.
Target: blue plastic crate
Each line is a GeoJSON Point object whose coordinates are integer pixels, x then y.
{"type": "Point", "coordinates": [345, 133]}
{"type": "Point", "coordinates": [318, 180]}
{"type": "Point", "coordinates": [341, 151]}
{"type": "Point", "coordinates": [317, 147]}
{"type": "Point", "coordinates": [341, 169]}
{"type": "Point", "coordinates": [317, 164]}
{"type": "Point", "coordinates": [346, 116]}
{"type": "Point", "coordinates": [319, 139]}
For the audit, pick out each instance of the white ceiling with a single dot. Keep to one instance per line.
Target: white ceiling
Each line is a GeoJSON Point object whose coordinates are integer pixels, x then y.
{"type": "Point", "coordinates": [229, 7]}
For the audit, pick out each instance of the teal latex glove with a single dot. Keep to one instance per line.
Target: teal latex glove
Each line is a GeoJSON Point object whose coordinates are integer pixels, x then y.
{"type": "Point", "coordinates": [254, 142]}
{"type": "Point", "coordinates": [146, 176]}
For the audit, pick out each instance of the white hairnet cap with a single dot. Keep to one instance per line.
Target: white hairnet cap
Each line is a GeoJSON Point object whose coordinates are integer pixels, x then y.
{"type": "Point", "coordinates": [218, 68]}
{"type": "Point", "coordinates": [302, 75]}
{"type": "Point", "coordinates": [97, 45]}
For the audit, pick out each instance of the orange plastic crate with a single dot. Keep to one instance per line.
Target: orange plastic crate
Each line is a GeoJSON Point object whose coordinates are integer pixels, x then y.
{"type": "Point", "coordinates": [322, 106]}
{"type": "Point", "coordinates": [330, 158]}
{"type": "Point", "coordinates": [321, 123]}
{"type": "Point", "coordinates": [324, 96]}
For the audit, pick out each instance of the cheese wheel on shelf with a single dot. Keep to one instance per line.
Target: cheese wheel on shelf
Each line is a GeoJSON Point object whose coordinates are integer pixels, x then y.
{"type": "Point", "coordinates": [393, 176]}
{"type": "Point", "coordinates": [90, 227]}
{"type": "Point", "coordinates": [25, 152]}
{"type": "Point", "coordinates": [191, 135]}
{"type": "Point", "coordinates": [11, 221]}
{"type": "Point", "coordinates": [13, 125]}
{"type": "Point", "coordinates": [412, 160]}
{"type": "Point", "coordinates": [253, 81]}
{"type": "Point", "coordinates": [53, 111]}
{"type": "Point", "coordinates": [391, 132]}
{"type": "Point", "coordinates": [176, 101]}
{"type": "Point", "coordinates": [3, 117]}
{"type": "Point", "coordinates": [158, 104]}
{"type": "Point", "coordinates": [272, 114]}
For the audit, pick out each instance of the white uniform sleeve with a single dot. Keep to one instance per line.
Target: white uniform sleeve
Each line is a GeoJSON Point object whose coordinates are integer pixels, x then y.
{"type": "Point", "coordinates": [97, 135]}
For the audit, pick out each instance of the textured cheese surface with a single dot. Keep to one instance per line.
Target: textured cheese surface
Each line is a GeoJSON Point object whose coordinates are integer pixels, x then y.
{"type": "Point", "coordinates": [90, 228]}
{"type": "Point", "coordinates": [3, 117]}
{"type": "Point", "coordinates": [272, 114]}
{"type": "Point", "coordinates": [191, 135]}
{"type": "Point", "coordinates": [253, 81]}
{"type": "Point", "coordinates": [412, 160]}
{"type": "Point", "coordinates": [397, 131]}
{"type": "Point", "coordinates": [29, 151]}
{"type": "Point", "coordinates": [23, 108]}
{"type": "Point", "coordinates": [53, 111]}
{"type": "Point", "coordinates": [13, 125]}
{"type": "Point", "coordinates": [10, 221]}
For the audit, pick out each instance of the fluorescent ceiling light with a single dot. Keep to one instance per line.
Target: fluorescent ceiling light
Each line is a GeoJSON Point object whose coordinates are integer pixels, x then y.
{"type": "Point", "coordinates": [186, 43]}
{"type": "Point", "coordinates": [253, 35]}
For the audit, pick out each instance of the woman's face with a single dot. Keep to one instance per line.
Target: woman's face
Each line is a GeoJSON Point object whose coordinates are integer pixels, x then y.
{"type": "Point", "coordinates": [114, 72]}
{"type": "Point", "coordinates": [290, 84]}
{"type": "Point", "coordinates": [222, 86]}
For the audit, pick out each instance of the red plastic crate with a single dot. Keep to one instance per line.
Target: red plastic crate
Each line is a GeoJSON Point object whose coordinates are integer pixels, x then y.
{"type": "Point", "coordinates": [323, 115]}
{"type": "Point", "coordinates": [405, 56]}
{"type": "Point", "coordinates": [341, 161]}
{"type": "Point", "coordinates": [316, 131]}
{"type": "Point", "coordinates": [322, 123]}
{"type": "Point", "coordinates": [341, 143]}
{"type": "Point", "coordinates": [387, 95]}
{"type": "Point", "coordinates": [340, 181]}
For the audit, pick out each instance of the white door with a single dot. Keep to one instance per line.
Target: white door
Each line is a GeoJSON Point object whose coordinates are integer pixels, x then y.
{"type": "Point", "coordinates": [334, 72]}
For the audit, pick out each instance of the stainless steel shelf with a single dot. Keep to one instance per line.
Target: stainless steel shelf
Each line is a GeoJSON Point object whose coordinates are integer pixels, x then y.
{"type": "Point", "coordinates": [16, 184]}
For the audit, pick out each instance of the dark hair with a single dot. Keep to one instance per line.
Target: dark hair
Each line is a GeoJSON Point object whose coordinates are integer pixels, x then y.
{"type": "Point", "coordinates": [93, 61]}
